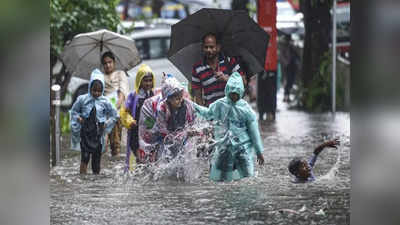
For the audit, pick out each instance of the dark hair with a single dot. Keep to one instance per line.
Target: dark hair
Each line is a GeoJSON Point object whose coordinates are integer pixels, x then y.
{"type": "Point", "coordinates": [294, 165]}
{"type": "Point", "coordinates": [96, 82]}
{"type": "Point", "coordinates": [107, 54]}
{"type": "Point", "coordinates": [176, 93]}
{"type": "Point", "coordinates": [210, 34]}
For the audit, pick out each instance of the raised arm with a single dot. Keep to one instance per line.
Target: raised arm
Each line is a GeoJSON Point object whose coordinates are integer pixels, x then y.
{"type": "Point", "coordinates": [207, 113]}
{"type": "Point", "coordinates": [321, 147]}
{"type": "Point", "coordinates": [332, 144]}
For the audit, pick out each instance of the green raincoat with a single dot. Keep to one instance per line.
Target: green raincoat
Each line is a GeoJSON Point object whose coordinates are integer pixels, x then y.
{"type": "Point", "coordinates": [236, 133]}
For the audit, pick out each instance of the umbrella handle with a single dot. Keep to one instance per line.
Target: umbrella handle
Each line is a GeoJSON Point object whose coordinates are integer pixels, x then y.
{"type": "Point", "coordinates": [126, 73]}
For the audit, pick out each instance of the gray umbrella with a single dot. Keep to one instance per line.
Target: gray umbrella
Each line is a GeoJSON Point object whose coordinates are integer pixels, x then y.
{"type": "Point", "coordinates": [239, 35]}
{"type": "Point", "coordinates": [83, 53]}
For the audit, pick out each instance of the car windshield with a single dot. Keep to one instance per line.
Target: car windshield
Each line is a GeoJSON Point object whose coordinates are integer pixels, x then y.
{"type": "Point", "coordinates": [153, 48]}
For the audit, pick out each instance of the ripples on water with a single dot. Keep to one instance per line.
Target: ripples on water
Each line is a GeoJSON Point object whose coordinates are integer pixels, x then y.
{"type": "Point", "coordinates": [161, 195]}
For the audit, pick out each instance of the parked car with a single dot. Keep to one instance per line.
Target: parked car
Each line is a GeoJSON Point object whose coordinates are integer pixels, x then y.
{"type": "Point", "coordinates": [153, 46]}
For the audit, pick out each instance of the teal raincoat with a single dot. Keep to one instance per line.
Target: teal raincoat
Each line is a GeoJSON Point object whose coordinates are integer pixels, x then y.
{"type": "Point", "coordinates": [105, 112]}
{"type": "Point", "coordinates": [236, 133]}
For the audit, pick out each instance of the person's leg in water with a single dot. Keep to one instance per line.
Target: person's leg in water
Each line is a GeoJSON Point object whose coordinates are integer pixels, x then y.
{"type": "Point", "coordinates": [266, 95]}
{"type": "Point", "coordinates": [115, 139]}
{"type": "Point", "coordinates": [96, 159]}
{"type": "Point", "coordinates": [241, 164]}
{"type": "Point", "coordinates": [85, 157]}
{"type": "Point", "coordinates": [288, 86]}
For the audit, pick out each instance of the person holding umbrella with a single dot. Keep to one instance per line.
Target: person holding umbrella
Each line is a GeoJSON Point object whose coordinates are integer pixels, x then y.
{"type": "Point", "coordinates": [209, 76]}
{"type": "Point", "coordinates": [216, 39]}
{"type": "Point", "coordinates": [116, 82]}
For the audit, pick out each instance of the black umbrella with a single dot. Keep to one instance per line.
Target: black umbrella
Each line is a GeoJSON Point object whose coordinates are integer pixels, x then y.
{"type": "Point", "coordinates": [239, 35]}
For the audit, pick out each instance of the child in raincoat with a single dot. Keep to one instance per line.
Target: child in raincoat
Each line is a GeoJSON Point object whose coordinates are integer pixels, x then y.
{"type": "Point", "coordinates": [302, 169]}
{"type": "Point", "coordinates": [92, 117]}
{"type": "Point", "coordinates": [174, 113]}
{"type": "Point", "coordinates": [236, 132]}
{"type": "Point", "coordinates": [130, 113]}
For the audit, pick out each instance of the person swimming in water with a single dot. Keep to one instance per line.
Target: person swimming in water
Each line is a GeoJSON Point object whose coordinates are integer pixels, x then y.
{"type": "Point", "coordinates": [302, 169]}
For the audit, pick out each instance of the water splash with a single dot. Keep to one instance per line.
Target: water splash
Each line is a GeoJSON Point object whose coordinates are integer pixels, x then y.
{"type": "Point", "coordinates": [333, 172]}
{"type": "Point", "coordinates": [183, 156]}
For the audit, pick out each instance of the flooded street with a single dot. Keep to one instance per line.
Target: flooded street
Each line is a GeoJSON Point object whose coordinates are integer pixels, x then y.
{"type": "Point", "coordinates": [269, 198]}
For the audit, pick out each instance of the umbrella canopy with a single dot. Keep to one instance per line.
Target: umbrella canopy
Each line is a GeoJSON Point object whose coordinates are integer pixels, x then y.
{"type": "Point", "coordinates": [238, 35]}
{"type": "Point", "coordinates": [83, 53]}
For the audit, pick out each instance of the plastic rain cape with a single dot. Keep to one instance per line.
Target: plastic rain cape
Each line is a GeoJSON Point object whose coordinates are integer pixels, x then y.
{"type": "Point", "coordinates": [236, 132]}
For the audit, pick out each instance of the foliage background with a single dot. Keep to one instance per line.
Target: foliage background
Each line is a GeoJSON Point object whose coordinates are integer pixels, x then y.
{"type": "Point", "coordinates": [71, 17]}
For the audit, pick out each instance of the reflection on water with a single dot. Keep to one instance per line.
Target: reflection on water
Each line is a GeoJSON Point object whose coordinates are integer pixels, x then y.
{"type": "Point", "coordinates": [269, 198]}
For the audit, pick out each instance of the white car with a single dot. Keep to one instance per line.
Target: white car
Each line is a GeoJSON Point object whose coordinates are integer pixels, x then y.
{"type": "Point", "coordinates": [153, 45]}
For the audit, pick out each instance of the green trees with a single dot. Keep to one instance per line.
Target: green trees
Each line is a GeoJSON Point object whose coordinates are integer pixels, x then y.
{"type": "Point", "coordinates": [317, 23]}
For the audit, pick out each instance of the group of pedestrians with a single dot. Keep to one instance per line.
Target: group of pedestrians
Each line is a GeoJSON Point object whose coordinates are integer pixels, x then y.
{"type": "Point", "coordinates": [150, 114]}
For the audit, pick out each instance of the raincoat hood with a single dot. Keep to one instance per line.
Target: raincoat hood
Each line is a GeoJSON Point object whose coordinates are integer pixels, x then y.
{"type": "Point", "coordinates": [143, 71]}
{"type": "Point", "coordinates": [171, 86]}
{"type": "Point", "coordinates": [234, 84]}
{"type": "Point", "coordinates": [96, 75]}
{"type": "Point", "coordinates": [236, 133]}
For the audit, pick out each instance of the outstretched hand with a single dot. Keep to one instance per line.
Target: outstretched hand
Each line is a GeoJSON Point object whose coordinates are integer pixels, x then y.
{"type": "Point", "coordinates": [333, 143]}
{"type": "Point", "coordinates": [221, 76]}
{"type": "Point", "coordinates": [260, 159]}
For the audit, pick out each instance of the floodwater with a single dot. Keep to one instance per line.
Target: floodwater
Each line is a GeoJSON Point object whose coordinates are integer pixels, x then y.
{"type": "Point", "coordinates": [269, 198]}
